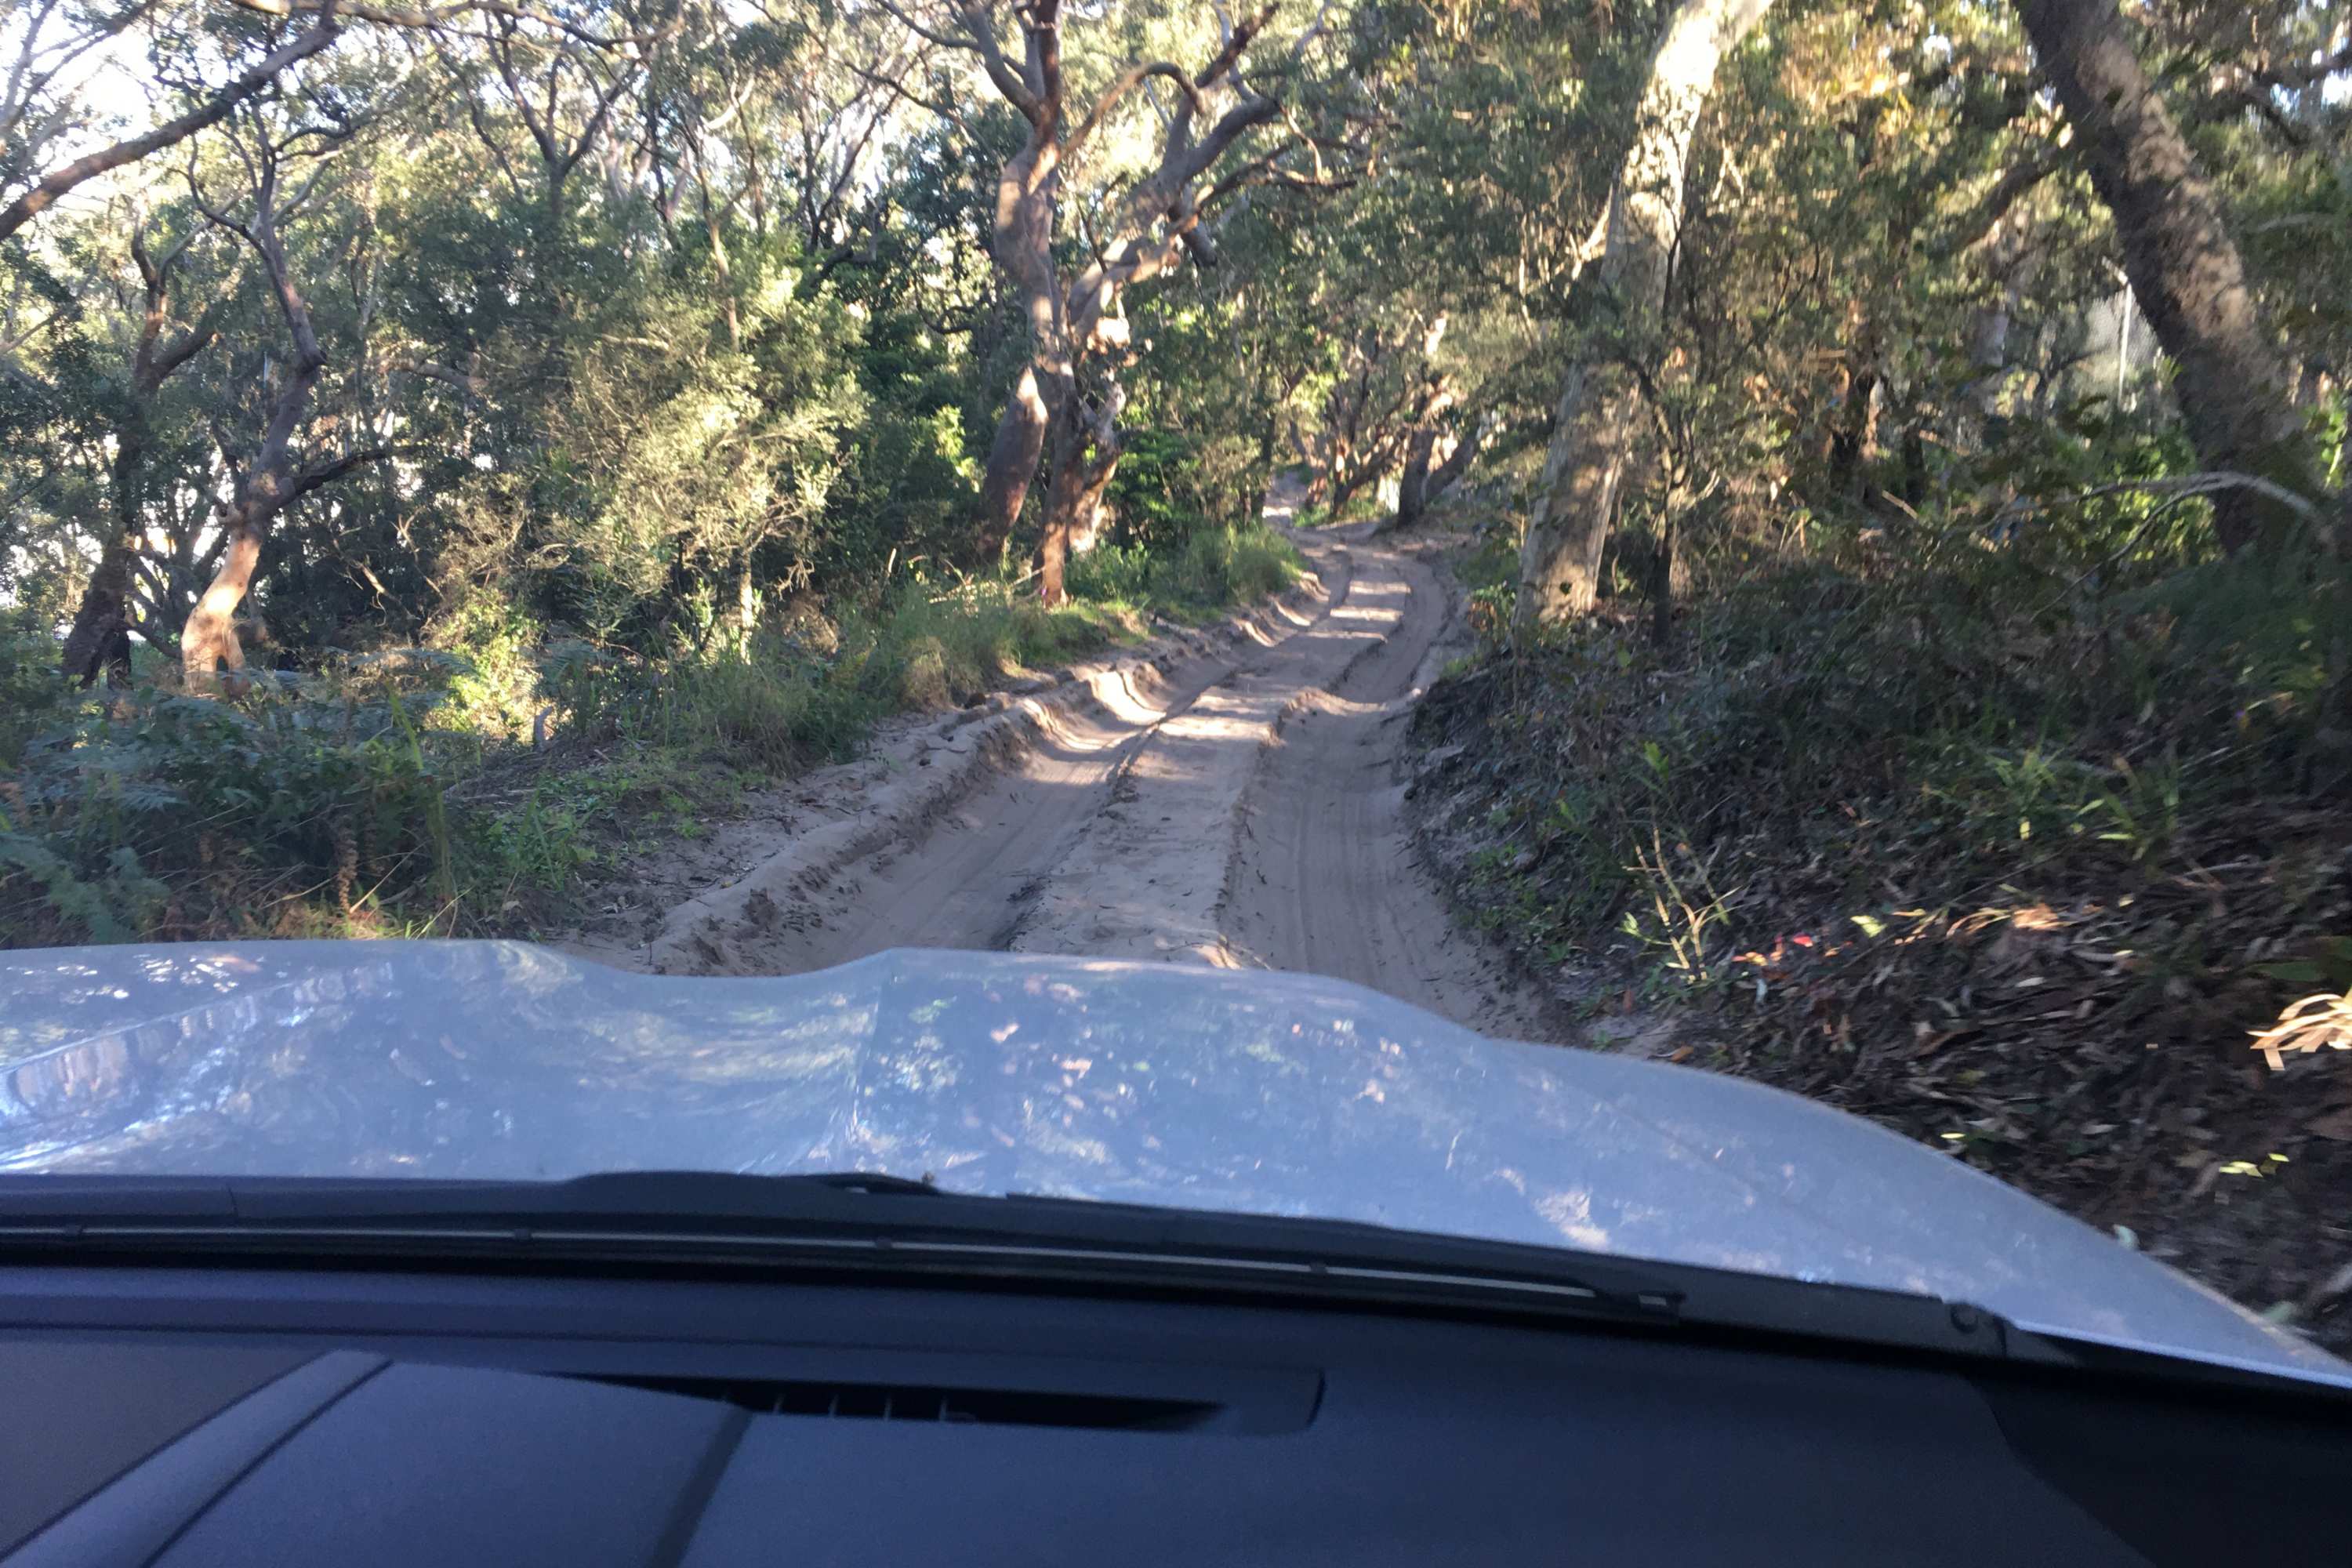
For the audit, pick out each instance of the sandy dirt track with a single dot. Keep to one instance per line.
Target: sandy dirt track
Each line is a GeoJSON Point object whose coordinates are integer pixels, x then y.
{"type": "Point", "coordinates": [1232, 798]}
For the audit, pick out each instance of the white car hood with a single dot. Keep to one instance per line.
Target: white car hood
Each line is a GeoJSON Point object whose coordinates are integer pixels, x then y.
{"type": "Point", "coordinates": [1257, 1092]}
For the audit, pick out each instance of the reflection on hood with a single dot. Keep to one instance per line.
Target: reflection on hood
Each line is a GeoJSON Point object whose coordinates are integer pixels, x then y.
{"type": "Point", "coordinates": [1247, 1091]}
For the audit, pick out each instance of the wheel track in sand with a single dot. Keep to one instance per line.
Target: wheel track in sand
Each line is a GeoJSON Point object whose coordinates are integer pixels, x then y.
{"type": "Point", "coordinates": [1237, 802]}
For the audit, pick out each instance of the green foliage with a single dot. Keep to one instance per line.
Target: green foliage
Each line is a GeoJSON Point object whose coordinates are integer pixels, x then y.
{"type": "Point", "coordinates": [1230, 565]}
{"type": "Point", "coordinates": [34, 696]}
{"type": "Point", "coordinates": [2049, 701]}
{"type": "Point", "coordinates": [300, 795]}
{"type": "Point", "coordinates": [403, 792]}
{"type": "Point", "coordinates": [1118, 573]}
{"type": "Point", "coordinates": [113, 905]}
{"type": "Point", "coordinates": [684, 445]}
{"type": "Point", "coordinates": [1157, 497]}
{"type": "Point", "coordinates": [932, 651]}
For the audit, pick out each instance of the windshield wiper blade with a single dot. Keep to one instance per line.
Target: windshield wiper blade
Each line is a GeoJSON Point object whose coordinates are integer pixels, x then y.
{"type": "Point", "coordinates": [686, 1192]}
{"type": "Point", "coordinates": [672, 1194]}
{"type": "Point", "coordinates": [829, 1220]}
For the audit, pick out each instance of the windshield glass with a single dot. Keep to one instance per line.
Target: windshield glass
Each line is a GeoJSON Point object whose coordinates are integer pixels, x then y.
{"type": "Point", "coordinates": [1395, 612]}
{"type": "Point", "coordinates": [1142, 1083]}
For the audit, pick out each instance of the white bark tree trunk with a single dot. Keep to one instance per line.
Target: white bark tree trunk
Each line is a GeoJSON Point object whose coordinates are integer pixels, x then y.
{"type": "Point", "coordinates": [1560, 564]}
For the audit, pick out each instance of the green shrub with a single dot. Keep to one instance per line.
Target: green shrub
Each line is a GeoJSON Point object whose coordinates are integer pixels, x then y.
{"type": "Point", "coordinates": [2046, 701]}
{"type": "Point", "coordinates": [232, 806]}
{"type": "Point", "coordinates": [1156, 500]}
{"type": "Point", "coordinates": [34, 698]}
{"type": "Point", "coordinates": [1113, 573]}
{"type": "Point", "coordinates": [948, 649]}
{"type": "Point", "coordinates": [1229, 565]}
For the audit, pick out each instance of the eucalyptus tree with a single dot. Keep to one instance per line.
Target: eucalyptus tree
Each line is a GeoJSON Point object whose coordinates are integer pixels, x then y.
{"type": "Point", "coordinates": [2184, 264]}
{"type": "Point", "coordinates": [1191, 137]}
{"type": "Point", "coordinates": [1559, 568]}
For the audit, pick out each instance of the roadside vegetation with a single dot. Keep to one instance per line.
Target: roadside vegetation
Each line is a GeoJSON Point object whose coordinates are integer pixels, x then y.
{"type": "Point", "coordinates": [441, 456]}
{"type": "Point", "coordinates": [1949, 723]}
{"type": "Point", "coordinates": [474, 785]}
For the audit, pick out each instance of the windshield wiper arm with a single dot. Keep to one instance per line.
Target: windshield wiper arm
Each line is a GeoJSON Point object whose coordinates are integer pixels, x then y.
{"type": "Point", "coordinates": [831, 1219]}
{"type": "Point", "coordinates": [664, 1195]}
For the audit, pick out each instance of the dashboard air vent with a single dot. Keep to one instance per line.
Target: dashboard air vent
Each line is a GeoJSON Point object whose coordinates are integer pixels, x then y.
{"type": "Point", "coordinates": [984, 1407]}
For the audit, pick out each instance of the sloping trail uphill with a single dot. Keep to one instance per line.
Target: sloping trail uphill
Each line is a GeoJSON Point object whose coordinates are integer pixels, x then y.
{"type": "Point", "coordinates": [1232, 798]}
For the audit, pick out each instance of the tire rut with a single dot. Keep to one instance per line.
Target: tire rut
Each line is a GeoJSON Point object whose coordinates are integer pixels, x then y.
{"type": "Point", "coordinates": [1241, 808]}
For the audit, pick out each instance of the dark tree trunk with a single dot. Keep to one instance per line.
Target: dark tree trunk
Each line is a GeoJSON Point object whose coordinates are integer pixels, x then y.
{"type": "Point", "coordinates": [1914, 448]}
{"type": "Point", "coordinates": [1412, 492]}
{"type": "Point", "coordinates": [98, 645]}
{"type": "Point", "coordinates": [1023, 247]}
{"type": "Point", "coordinates": [1666, 572]}
{"type": "Point", "coordinates": [100, 641]}
{"type": "Point", "coordinates": [1086, 455]}
{"type": "Point", "coordinates": [1854, 436]}
{"type": "Point", "coordinates": [1012, 458]}
{"type": "Point", "coordinates": [2185, 269]}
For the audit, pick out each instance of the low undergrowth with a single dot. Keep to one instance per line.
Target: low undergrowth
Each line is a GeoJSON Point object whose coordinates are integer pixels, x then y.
{"type": "Point", "coordinates": [2009, 840]}
{"type": "Point", "coordinates": [475, 786]}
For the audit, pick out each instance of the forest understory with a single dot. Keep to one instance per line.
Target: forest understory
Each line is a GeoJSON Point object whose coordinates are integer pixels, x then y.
{"type": "Point", "coordinates": [1760, 853]}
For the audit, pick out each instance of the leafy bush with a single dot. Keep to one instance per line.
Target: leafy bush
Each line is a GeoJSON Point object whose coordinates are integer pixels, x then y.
{"type": "Point", "coordinates": [946, 651]}
{"type": "Point", "coordinates": [234, 809]}
{"type": "Point", "coordinates": [1154, 501]}
{"type": "Point", "coordinates": [1232, 564]}
{"type": "Point", "coordinates": [1111, 572]}
{"type": "Point", "coordinates": [34, 699]}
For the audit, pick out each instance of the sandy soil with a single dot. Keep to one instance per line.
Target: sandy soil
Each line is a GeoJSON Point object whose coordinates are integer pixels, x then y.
{"type": "Point", "coordinates": [1232, 797]}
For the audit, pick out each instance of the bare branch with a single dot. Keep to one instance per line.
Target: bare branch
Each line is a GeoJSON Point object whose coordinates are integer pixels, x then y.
{"type": "Point", "coordinates": [1236, 40]}
{"type": "Point", "coordinates": [327, 471]}
{"type": "Point", "coordinates": [438, 16]}
{"type": "Point", "coordinates": [2205, 484]}
{"type": "Point", "coordinates": [1971, 228]}
{"type": "Point", "coordinates": [945, 40]}
{"type": "Point", "coordinates": [56, 183]}
{"type": "Point", "coordinates": [1127, 82]}
{"type": "Point", "coordinates": [980, 28]}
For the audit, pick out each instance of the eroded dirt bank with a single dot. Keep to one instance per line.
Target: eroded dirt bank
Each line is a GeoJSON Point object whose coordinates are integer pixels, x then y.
{"type": "Point", "coordinates": [1232, 797]}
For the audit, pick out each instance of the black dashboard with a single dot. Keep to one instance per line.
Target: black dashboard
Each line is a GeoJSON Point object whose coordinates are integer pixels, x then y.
{"type": "Point", "coordinates": [182, 1416]}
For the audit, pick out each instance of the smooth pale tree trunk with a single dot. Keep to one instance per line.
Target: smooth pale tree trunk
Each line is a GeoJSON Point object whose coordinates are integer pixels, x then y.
{"type": "Point", "coordinates": [1155, 224]}
{"type": "Point", "coordinates": [1023, 247]}
{"type": "Point", "coordinates": [2185, 269]}
{"type": "Point", "coordinates": [1560, 564]}
{"type": "Point", "coordinates": [209, 644]}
